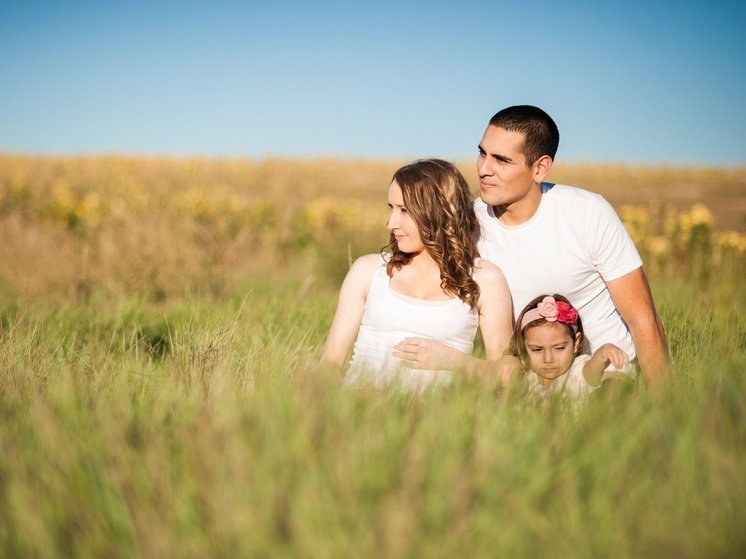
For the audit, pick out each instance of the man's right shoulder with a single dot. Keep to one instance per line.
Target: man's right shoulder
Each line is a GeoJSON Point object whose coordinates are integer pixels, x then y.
{"type": "Point", "coordinates": [565, 191]}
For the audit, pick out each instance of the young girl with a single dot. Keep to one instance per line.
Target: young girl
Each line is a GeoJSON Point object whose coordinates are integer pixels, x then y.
{"type": "Point", "coordinates": [413, 310]}
{"type": "Point", "coordinates": [549, 343]}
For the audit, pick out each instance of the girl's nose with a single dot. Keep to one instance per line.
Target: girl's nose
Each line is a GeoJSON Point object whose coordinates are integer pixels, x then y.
{"type": "Point", "coordinates": [548, 357]}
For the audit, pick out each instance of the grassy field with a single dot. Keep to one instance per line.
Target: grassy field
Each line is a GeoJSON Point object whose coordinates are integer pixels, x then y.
{"type": "Point", "coordinates": [160, 321]}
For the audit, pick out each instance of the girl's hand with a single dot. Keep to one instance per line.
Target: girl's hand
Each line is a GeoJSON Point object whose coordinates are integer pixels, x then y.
{"type": "Point", "coordinates": [424, 353]}
{"type": "Point", "coordinates": [613, 355]}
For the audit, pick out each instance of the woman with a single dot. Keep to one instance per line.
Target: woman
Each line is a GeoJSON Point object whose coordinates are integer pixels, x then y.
{"type": "Point", "coordinates": [413, 310]}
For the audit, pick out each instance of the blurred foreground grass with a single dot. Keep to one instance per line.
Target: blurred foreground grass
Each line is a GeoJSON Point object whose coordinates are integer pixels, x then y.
{"type": "Point", "coordinates": [158, 400]}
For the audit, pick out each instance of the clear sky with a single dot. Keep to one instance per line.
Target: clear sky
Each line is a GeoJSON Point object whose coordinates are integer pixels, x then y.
{"type": "Point", "coordinates": [630, 81]}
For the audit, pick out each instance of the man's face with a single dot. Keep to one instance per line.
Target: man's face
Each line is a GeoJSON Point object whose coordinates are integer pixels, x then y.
{"type": "Point", "coordinates": [504, 177]}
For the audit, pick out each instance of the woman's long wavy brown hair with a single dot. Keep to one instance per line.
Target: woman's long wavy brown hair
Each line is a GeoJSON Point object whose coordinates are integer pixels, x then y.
{"type": "Point", "coordinates": [438, 199]}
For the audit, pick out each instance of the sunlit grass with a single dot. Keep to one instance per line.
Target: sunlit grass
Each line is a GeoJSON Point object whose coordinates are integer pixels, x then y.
{"type": "Point", "coordinates": [160, 397]}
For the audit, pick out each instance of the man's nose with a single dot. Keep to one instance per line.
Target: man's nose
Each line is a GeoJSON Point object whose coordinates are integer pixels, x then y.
{"type": "Point", "coordinates": [483, 168]}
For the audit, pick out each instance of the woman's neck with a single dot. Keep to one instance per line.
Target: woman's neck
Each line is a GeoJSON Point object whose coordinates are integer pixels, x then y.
{"type": "Point", "coordinates": [423, 262]}
{"type": "Point", "coordinates": [420, 279]}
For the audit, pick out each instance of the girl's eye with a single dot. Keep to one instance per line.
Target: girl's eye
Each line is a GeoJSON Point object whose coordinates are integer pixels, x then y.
{"type": "Point", "coordinates": [560, 348]}
{"type": "Point", "coordinates": [535, 350]}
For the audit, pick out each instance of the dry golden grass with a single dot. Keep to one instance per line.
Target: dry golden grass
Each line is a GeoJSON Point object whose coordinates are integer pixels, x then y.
{"type": "Point", "coordinates": [176, 226]}
{"type": "Point", "coordinates": [25, 179]}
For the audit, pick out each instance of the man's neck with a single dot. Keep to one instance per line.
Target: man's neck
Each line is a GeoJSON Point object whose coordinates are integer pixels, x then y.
{"type": "Point", "coordinates": [520, 211]}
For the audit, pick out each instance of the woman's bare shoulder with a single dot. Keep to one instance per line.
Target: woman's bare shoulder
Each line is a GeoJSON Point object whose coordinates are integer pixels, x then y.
{"type": "Point", "coordinates": [486, 270]}
{"type": "Point", "coordinates": [367, 261]}
{"type": "Point", "coordinates": [365, 265]}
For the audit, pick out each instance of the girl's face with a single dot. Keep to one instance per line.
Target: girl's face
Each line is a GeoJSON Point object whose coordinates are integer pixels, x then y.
{"type": "Point", "coordinates": [550, 349]}
{"type": "Point", "coordinates": [401, 224]}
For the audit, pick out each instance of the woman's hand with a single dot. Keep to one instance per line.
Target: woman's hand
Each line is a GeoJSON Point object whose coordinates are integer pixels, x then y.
{"type": "Point", "coordinates": [424, 353]}
{"type": "Point", "coordinates": [508, 367]}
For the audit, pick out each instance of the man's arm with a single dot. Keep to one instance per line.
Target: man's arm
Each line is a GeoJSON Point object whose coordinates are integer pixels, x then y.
{"type": "Point", "coordinates": [634, 301]}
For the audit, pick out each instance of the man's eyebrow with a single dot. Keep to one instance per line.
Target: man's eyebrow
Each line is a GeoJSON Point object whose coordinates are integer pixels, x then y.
{"type": "Point", "coordinates": [495, 156]}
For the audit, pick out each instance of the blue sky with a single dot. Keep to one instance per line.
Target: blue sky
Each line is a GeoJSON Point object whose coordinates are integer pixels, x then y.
{"type": "Point", "coordinates": [633, 82]}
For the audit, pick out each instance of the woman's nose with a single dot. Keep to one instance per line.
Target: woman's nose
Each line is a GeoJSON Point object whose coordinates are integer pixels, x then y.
{"type": "Point", "coordinates": [393, 221]}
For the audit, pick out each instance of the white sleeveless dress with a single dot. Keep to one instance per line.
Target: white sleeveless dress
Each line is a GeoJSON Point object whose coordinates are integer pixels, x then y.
{"type": "Point", "coordinates": [390, 317]}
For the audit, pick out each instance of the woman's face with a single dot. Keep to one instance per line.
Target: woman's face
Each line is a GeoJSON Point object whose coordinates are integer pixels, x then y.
{"type": "Point", "coordinates": [550, 349]}
{"type": "Point", "coordinates": [401, 224]}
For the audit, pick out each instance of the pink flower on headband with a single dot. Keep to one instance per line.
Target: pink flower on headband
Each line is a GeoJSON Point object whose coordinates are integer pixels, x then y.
{"type": "Point", "coordinates": [557, 311]}
{"type": "Point", "coordinates": [548, 309]}
{"type": "Point", "coordinates": [552, 311]}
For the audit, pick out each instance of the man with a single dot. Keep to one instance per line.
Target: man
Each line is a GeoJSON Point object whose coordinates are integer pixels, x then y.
{"type": "Point", "coordinates": [551, 238]}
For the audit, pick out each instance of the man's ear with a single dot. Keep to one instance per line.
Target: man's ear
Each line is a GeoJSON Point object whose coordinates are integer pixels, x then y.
{"type": "Point", "coordinates": [542, 166]}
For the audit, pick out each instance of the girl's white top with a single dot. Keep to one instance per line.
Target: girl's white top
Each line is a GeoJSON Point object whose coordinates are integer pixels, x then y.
{"type": "Point", "coordinates": [571, 386]}
{"type": "Point", "coordinates": [389, 317]}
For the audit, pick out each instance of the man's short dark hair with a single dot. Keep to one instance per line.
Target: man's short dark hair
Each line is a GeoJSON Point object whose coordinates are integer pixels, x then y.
{"type": "Point", "coordinates": [542, 134]}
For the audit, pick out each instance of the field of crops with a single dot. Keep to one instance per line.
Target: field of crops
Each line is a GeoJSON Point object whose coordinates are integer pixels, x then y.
{"type": "Point", "coordinates": [160, 321]}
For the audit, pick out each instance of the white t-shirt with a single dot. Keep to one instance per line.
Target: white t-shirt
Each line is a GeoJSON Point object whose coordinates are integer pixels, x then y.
{"type": "Point", "coordinates": [389, 317]}
{"type": "Point", "coordinates": [574, 242]}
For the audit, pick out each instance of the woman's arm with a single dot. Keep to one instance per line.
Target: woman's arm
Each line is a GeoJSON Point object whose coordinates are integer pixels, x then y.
{"type": "Point", "coordinates": [349, 313]}
{"type": "Point", "coordinates": [495, 309]}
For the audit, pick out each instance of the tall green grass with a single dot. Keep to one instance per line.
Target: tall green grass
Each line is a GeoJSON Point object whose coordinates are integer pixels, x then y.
{"type": "Point", "coordinates": [160, 327]}
{"type": "Point", "coordinates": [200, 428]}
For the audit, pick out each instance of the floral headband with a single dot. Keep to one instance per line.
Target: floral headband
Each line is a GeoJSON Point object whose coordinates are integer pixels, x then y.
{"type": "Point", "coordinates": [552, 311]}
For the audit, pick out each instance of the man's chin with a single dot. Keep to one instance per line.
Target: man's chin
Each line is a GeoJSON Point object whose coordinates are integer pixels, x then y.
{"type": "Point", "coordinates": [490, 198]}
